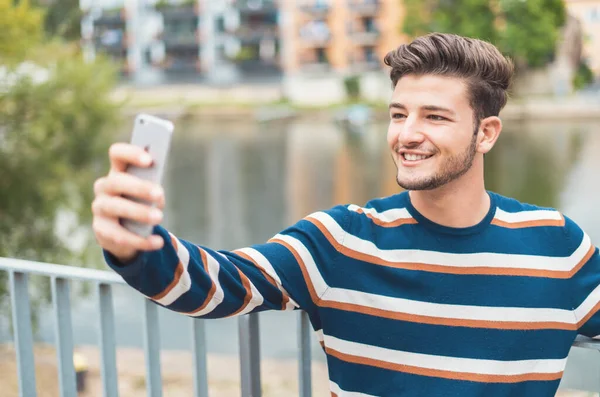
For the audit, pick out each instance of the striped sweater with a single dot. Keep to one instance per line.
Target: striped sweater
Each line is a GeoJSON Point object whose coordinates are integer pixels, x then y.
{"type": "Point", "coordinates": [401, 305]}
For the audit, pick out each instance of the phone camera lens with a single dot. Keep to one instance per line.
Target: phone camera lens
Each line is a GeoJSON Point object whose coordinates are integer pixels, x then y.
{"type": "Point", "coordinates": [142, 121]}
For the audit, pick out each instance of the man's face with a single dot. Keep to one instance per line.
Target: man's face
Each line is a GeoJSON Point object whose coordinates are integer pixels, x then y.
{"type": "Point", "coordinates": [432, 132]}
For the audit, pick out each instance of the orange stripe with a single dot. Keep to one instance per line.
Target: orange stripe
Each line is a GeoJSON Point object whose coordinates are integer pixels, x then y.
{"type": "Point", "coordinates": [397, 222]}
{"type": "Point", "coordinates": [523, 224]}
{"type": "Point", "coordinates": [248, 297]}
{"type": "Point", "coordinates": [311, 289]}
{"type": "Point", "coordinates": [333, 394]}
{"type": "Point", "coordinates": [176, 277]}
{"type": "Point", "coordinates": [449, 269]}
{"type": "Point", "coordinates": [454, 322]}
{"type": "Point", "coordinates": [285, 297]}
{"type": "Point", "coordinates": [213, 287]}
{"type": "Point", "coordinates": [466, 376]}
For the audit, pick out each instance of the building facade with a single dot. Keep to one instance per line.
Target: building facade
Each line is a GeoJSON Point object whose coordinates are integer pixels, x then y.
{"type": "Point", "coordinates": [588, 13]}
{"type": "Point", "coordinates": [234, 39]}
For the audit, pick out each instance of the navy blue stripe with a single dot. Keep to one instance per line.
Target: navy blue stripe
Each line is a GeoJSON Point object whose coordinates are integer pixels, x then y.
{"type": "Point", "coordinates": [383, 382]}
{"type": "Point", "coordinates": [491, 344]}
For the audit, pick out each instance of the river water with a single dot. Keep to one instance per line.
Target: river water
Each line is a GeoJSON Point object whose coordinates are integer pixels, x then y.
{"type": "Point", "coordinates": [231, 184]}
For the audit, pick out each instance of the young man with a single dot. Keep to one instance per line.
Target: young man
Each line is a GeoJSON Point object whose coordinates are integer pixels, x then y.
{"type": "Point", "coordinates": [445, 289]}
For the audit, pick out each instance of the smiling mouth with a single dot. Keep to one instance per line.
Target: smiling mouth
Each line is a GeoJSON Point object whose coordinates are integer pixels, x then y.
{"type": "Point", "coordinates": [415, 157]}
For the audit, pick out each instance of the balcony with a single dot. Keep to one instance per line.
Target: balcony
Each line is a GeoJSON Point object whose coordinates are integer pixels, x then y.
{"type": "Point", "coordinates": [365, 7]}
{"type": "Point", "coordinates": [256, 6]}
{"type": "Point", "coordinates": [61, 280]}
{"type": "Point", "coordinates": [180, 41]}
{"type": "Point", "coordinates": [112, 17]}
{"type": "Point", "coordinates": [257, 33]}
{"type": "Point", "coordinates": [317, 10]}
{"type": "Point", "coordinates": [315, 34]}
{"type": "Point", "coordinates": [175, 12]}
{"type": "Point", "coordinates": [364, 37]}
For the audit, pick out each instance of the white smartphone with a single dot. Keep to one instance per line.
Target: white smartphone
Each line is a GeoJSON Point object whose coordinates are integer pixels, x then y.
{"type": "Point", "coordinates": [154, 135]}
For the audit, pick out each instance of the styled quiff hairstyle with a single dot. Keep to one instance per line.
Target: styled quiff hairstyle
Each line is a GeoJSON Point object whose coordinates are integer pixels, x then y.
{"type": "Point", "coordinates": [487, 72]}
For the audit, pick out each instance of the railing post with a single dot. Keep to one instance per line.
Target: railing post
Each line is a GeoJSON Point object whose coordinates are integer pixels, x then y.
{"type": "Point", "coordinates": [21, 314]}
{"type": "Point", "coordinates": [64, 337]}
{"type": "Point", "coordinates": [199, 357]}
{"type": "Point", "coordinates": [107, 341]}
{"type": "Point", "coordinates": [304, 359]}
{"type": "Point", "coordinates": [250, 355]}
{"type": "Point", "coordinates": [152, 349]}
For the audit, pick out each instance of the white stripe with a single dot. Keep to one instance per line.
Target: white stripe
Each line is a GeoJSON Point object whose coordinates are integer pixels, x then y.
{"type": "Point", "coordinates": [471, 260]}
{"type": "Point", "coordinates": [334, 388]}
{"type": "Point", "coordinates": [448, 311]}
{"type": "Point", "coordinates": [445, 363]}
{"type": "Point", "coordinates": [256, 300]}
{"type": "Point", "coordinates": [311, 267]}
{"type": "Point", "coordinates": [217, 298]}
{"type": "Point", "coordinates": [319, 333]}
{"type": "Point", "coordinates": [387, 216]}
{"type": "Point", "coordinates": [525, 216]}
{"type": "Point", "coordinates": [588, 304]}
{"type": "Point", "coordinates": [184, 283]}
{"type": "Point", "coordinates": [266, 266]}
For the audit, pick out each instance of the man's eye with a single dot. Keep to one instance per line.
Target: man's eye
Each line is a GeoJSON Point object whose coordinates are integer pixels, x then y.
{"type": "Point", "coordinates": [435, 117]}
{"type": "Point", "coordinates": [398, 116]}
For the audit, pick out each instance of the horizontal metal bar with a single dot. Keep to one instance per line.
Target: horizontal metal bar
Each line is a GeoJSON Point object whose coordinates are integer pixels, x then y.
{"type": "Point", "coordinates": [107, 341]}
{"type": "Point", "coordinates": [60, 271]}
{"type": "Point", "coordinates": [587, 343]}
{"type": "Point", "coordinates": [64, 337]}
{"type": "Point", "coordinates": [21, 313]}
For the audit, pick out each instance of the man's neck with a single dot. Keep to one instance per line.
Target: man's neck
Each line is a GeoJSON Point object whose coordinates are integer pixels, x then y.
{"type": "Point", "coordinates": [456, 205]}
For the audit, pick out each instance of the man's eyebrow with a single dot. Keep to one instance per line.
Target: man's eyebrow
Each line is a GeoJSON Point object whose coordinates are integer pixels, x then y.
{"type": "Point", "coordinates": [438, 109]}
{"type": "Point", "coordinates": [397, 106]}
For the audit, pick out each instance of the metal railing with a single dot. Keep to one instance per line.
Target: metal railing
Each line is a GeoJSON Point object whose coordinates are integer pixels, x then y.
{"type": "Point", "coordinates": [248, 327]}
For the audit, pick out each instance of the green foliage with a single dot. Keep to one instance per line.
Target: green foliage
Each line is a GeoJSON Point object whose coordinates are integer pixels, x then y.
{"type": "Point", "coordinates": [352, 87]}
{"type": "Point", "coordinates": [583, 76]}
{"type": "Point", "coordinates": [56, 123]}
{"type": "Point", "coordinates": [63, 18]}
{"type": "Point", "coordinates": [525, 30]}
{"type": "Point", "coordinates": [20, 27]}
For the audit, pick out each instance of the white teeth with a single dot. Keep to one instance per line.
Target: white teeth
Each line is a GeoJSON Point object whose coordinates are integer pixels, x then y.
{"type": "Point", "coordinates": [414, 157]}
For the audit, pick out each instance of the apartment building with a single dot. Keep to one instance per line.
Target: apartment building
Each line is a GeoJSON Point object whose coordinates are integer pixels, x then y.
{"type": "Point", "coordinates": [339, 35]}
{"type": "Point", "coordinates": [248, 37]}
{"type": "Point", "coordinates": [588, 13]}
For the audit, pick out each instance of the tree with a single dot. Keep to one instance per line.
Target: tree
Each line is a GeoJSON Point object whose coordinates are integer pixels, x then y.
{"type": "Point", "coordinates": [56, 123]}
{"type": "Point", "coordinates": [525, 30]}
{"type": "Point", "coordinates": [20, 26]}
{"type": "Point", "coordinates": [63, 18]}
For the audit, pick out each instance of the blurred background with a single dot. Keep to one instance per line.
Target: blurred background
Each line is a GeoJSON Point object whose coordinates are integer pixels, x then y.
{"type": "Point", "coordinates": [280, 109]}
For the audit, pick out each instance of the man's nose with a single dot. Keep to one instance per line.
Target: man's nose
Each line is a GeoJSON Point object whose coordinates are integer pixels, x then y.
{"type": "Point", "coordinates": [410, 132]}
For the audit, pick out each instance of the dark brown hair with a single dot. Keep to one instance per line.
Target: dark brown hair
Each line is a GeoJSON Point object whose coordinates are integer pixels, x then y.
{"type": "Point", "coordinates": [487, 72]}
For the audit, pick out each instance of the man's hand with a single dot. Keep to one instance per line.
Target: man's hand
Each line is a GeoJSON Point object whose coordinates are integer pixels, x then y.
{"type": "Point", "coordinates": [109, 204]}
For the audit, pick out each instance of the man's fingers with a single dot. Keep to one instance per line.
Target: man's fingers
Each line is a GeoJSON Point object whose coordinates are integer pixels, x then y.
{"type": "Point", "coordinates": [124, 154]}
{"type": "Point", "coordinates": [120, 207]}
{"type": "Point", "coordinates": [120, 183]}
{"type": "Point", "coordinates": [115, 238]}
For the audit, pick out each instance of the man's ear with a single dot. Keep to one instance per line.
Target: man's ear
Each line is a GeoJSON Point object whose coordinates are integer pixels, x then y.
{"type": "Point", "coordinates": [488, 133]}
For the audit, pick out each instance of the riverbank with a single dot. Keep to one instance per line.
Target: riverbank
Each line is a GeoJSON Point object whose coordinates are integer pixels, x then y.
{"type": "Point", "coordinates": [246, 100]}
{"type": "Point", "coordinates": [279, 377]}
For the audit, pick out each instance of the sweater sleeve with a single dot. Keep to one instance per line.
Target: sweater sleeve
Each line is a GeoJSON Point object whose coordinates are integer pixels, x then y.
{"type": "Point", "coordinates": [285, 273]}
{"type": "Point", "coordinates": [585, 282]}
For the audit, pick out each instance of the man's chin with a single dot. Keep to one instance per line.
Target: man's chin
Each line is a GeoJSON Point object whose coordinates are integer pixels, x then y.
{"type": "Point", "coordinates": [416, 184]}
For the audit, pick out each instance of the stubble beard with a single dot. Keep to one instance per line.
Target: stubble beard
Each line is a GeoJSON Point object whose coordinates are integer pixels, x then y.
{"type": "Point", "coordinates": [452, 169]}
